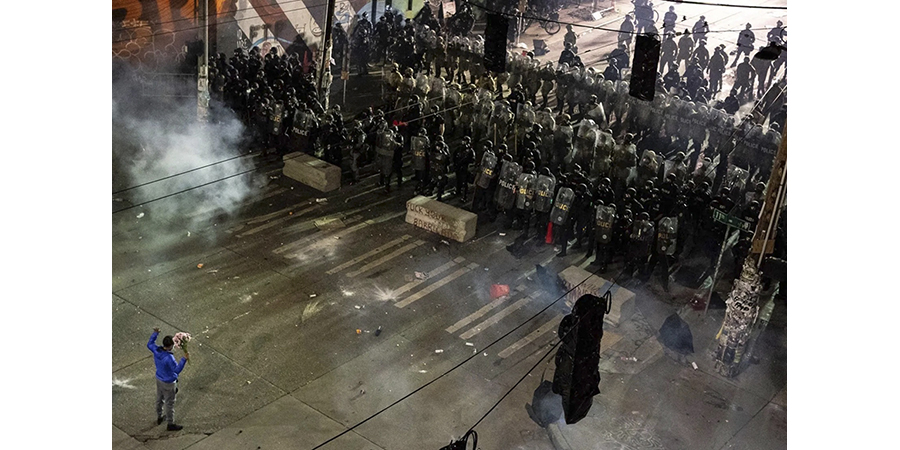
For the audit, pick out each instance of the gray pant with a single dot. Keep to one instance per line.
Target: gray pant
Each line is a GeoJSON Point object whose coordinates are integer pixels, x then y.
{"type": "Point", "coordinates": [165, 393]}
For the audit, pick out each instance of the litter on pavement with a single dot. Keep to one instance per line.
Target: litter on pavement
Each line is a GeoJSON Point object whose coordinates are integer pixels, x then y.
{"type": "Point", "coordinates": [499, 290]}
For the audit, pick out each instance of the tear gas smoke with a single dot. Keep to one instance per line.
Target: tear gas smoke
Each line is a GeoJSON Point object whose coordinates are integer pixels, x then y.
{"type": "Point", "coordinates": [156, 137]}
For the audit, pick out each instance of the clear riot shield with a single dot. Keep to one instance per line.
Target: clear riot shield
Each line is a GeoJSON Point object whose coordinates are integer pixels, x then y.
{"type": "Point", "coordinates": [525, 186]}
{"type": "Point", "coordinates": [506, 190]}
{"type": "Point", "coordinates": [564, 135]}
{"type": "Point", "coordinates": [543, 198]}
{"type": "Point", "coordinates": [384, 143]}
{"type": "Point", "coordinates": [275, 116]}
{"type": "Point", "coordinates": [486, 171]}
{"type": "Point", "coordinates": [604, 219]}
{"type": "Point", "coordinates": [667, 235]}
{"type": "Point", "coordinates": [642, 231]}
{"type": "Point", "coordinates": [598, 115]}
{"type": "Point", "coordinates": [423, 84]}
{"type": "Point", "coordinates": [303, 122]}
{"type": "Point", "coordinates": [561, 206]}
{"type": "Point", "coordinates": [419, 147]}
{"type": "Point", "coordinates": [525, 116]}
{"type": "Point", "coordinates": [736, 179]}
{"type": "Point", "coordinates": [586, 142]}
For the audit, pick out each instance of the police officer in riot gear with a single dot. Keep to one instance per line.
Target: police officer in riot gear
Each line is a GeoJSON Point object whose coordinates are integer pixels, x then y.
{"type": "Point", "coordinates": [440, 165]}
{"type": "Point", "coordinates": [602, 237]}
{"type": "Point", "coordinates": [462, 159]}
{"type": "Point", "coordinates": [420, 146]}
{"type": "Point", "coordinates": [641, 240]}
{"type": "Point", "coordinates": [543, 199]}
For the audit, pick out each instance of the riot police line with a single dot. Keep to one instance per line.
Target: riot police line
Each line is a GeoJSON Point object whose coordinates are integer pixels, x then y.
{"type": "Point", "coordinates": [623, 178]}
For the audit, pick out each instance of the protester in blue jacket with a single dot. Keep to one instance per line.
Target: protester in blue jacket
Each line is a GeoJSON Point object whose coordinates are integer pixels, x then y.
{"type": "Point", "coordinates": [167, 371]}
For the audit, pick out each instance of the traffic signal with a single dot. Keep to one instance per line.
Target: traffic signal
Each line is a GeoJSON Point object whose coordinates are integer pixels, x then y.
{"type": "Point", "coordinates": [461, 443]}
{"type": "Point", "coordinates": [577, 375]}
{"type": "Point", "coordinates": [643, 69]}
{"type": "Point", "coordinates": [495, 33]}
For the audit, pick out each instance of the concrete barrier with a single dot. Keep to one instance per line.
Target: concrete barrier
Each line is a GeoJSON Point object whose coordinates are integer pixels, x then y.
{"type": "Point", "coordinates": [443, 219]}
{"type": "Point", "coordinates": [622, 307]}
{"type": "Point", "coordinates": [312, 171]}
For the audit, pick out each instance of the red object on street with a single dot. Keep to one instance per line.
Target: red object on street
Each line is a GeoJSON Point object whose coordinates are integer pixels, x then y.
{"type": "Point", "coordinates": [499, 290]}
{"type": "Point", "coordinates": [549, 238]}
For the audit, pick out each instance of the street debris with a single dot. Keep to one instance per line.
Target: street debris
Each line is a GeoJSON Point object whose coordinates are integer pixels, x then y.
{"type": "Point", "coordinates": [358, 331]}
{"type": "Point", "coordinates": [312, 295]}
{"type": "Point", "coordinates": [212, 271]}
{"type": "Point", "coordinates": [140, 215]}
{"type": "Point", "coordinates": [502, 234]}
{"type": "Point", "coordinates": [273, 177]}
{"type": "Point", "coordinates": [470, 344]}
{"type": "Point", "coordinates": [486, 269]}
{"type": "Point", "coordinates": [694, 364]}
{"type": "Point", "coordinates": [200, 266]}
{"type": "Point", "coordinates": [356, 306]}
{"type": "Point", "coordinates": [433, 248]}
{"type": "Point", "coordinates": [439, 351]}
{"type": "Point", "coordinates": [499, 290]}
{"type": "Point", "coordinates": [189, 234]}
{"type": "Point", "coordinates": [117, 199]}
{"type": "Point", "coordinates": [378, 331]}
{"type": "Point", "coordinates": [321, 200]}
{"type": "Point", "coordinates": [421, 275]}
{"type": "Point", "coordinates": [625, 358]}
{"type": "Point", "coordinates": [423, 371]}
{"type": "Point", "coordinates": [485, 354]}
{"type": "Point", "coordinates": [444, 242]}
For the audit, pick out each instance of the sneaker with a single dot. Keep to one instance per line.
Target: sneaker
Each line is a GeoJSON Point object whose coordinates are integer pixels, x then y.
{"type": "Point", "coordinates": [160, 420]}
{"type": "Point", "coordinates": [174, 427]}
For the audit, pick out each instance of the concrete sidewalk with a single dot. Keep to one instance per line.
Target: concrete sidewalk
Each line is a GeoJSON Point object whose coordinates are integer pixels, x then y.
{"type": "Point", "coordinates": [660, 401]}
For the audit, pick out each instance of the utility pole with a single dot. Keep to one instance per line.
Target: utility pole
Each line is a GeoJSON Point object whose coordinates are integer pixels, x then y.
{"type": "Point", "coordinates": [323, 86]}
{"type": "Point", "coordinates": [202, 67]}
{"type": "Point", "coordinates": [742, 305]}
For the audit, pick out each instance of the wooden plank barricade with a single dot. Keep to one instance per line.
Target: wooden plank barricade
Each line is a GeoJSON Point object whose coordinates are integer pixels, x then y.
{"type": "Point", "coordinates": [441, 218]}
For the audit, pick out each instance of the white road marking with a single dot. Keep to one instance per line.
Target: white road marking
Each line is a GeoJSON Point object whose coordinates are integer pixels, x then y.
{"type": "Point", "coordinates": [319, 236]}
{"type": "Point", "coordinates": [284, 218]}
{"type": "Point", "coordinates": [412, 284]}
{"type": "Point", "coordinates": [493, 320]}
{"type": "Point", "coordinates": [385, 258]}
{"type": "Point", "coordinates": [478, 314]}
{"type": "Point", "coordinates": [368, 254]}
{"type": "Point", "coordinates": [543, 329]}
{"type": "Point", "coordinates": [435, 286]}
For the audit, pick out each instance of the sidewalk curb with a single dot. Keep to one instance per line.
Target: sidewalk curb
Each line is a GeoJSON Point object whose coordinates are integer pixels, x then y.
{"type": "Point", "coordinates": [556, 437]}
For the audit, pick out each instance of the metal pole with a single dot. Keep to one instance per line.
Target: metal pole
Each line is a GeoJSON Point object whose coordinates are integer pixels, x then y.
{"type": "Point", "coordinates": [202, 73]}
{"type": "Point", "coordinates": [716, 271]}
{"type": "Point", "coordinates": [325, 67]}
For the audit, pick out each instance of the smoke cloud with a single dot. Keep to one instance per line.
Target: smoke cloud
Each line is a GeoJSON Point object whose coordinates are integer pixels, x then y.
{"type": "Point", "coordinates": [156, 137]}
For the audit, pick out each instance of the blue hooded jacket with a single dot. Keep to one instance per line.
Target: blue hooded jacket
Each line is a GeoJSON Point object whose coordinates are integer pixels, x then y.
{"type": "Point", "coordinates": [166, 369]}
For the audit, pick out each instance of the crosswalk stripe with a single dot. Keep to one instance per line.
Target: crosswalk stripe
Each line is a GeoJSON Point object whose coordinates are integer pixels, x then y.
{"type": "Point", "coordinates": [551, 325]}
{"type": "Point", "coordinates": [311, 223]}
{"type": "Point", "coordinates": [477, 314]}
{"type": "Point", "coordinates": [278, 221]}
{"type": "Point", "coordinates": [493, 320]}
{"type": "Point", "coordinates": [368, 254]}
{"type": "Point", "coordinates": [436, 286]}
{"type": "Point", "coordinates": [342, 233]}
{"type": "Point", "coordinates": [385, 258]}
{"type": "Point", "coordinates": [412, 284]}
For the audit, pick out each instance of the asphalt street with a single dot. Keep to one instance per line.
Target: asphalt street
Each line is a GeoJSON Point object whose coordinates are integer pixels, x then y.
{"type": "Point", "coordinates": [285, 289]}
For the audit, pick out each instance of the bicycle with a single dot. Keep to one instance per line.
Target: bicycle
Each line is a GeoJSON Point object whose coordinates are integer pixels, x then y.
{"type": "Point", "coordinates": [550, 24]}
